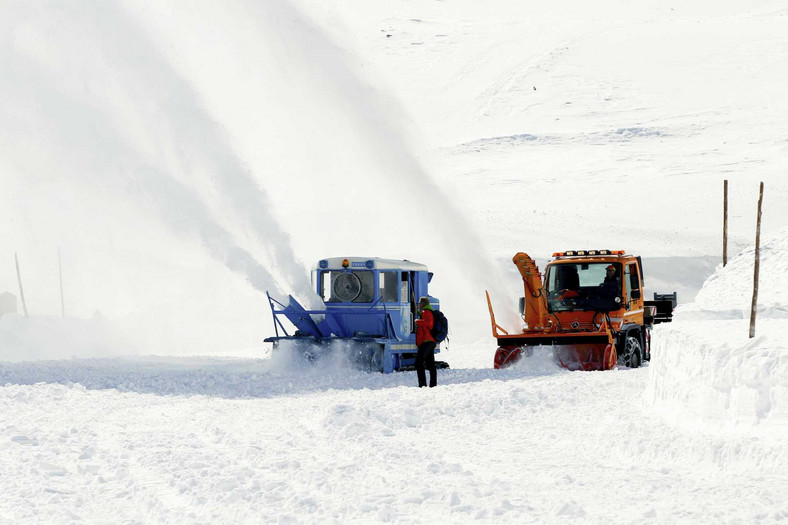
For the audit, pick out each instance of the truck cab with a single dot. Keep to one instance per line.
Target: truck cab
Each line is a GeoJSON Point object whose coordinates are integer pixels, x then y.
{"type": "Point", "coordinates": [609, 284]}
{"type": "Point", "coordinates": [369, 301]}
{"type": "Point", "coordinates": [590, 309]}
{"type": "Point", "coordinates": [385, 289]}
{"type": "Point", "coordinates": [602, 285]}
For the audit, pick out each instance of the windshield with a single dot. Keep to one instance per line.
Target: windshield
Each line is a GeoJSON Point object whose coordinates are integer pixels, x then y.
{"type": "Point", "coordinates": [583, 286]}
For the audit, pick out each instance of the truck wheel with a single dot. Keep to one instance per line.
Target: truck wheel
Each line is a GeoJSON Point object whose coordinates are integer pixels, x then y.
{"type": "Point", "coordinates": [633, 353]}
{"type": "Point", "coordinates": [505, 356]}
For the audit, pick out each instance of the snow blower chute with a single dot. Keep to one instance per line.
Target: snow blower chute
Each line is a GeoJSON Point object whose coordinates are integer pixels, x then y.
{"type": "Point", "coordinates": [589, 311]}
{"type": "Point", "coordinates": [370, 304]}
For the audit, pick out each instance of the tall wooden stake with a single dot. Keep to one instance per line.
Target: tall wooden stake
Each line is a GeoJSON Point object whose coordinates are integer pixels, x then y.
{"type": "Point", "coordinates": [757, 265]}
{"type": "Point", "coordinates": [19, 280]}
{"type": "Point", "coordinates": [60, 272]}
{"type": "Point", "coordinates": [725, 225]}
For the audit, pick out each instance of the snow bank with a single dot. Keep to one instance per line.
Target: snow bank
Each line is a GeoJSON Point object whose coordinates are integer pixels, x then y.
{"type": "Point", "coordinates": [706, 373]}
{"type": "Point", "coordinates": [727, 294]}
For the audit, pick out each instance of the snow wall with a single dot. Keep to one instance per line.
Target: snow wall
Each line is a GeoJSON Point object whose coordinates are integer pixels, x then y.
{"type": "Point", "coordinates": [706, 372]}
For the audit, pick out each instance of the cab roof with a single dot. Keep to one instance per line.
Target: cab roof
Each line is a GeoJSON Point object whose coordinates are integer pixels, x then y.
{"type": "Point", "coordinates": [370, 263]}
{"type": "Point", "coordinates": [591, 256]}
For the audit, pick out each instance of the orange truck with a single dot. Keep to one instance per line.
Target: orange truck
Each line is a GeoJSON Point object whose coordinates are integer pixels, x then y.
{"type": "Point", "coordinates": [590, 310]}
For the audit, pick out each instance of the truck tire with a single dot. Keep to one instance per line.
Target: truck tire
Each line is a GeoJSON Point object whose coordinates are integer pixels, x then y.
{"type": "Point", "coordinates": [632, 356]}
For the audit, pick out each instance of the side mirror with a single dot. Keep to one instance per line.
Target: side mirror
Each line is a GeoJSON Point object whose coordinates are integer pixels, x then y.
{"type": "Point", "coordinates": [635, 294]}
{"type": "Point", "coordinates": [522, 305]}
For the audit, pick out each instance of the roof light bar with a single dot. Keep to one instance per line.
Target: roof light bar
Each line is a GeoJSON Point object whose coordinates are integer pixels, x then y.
{"type": "Point", "coordinates": [583, 253]}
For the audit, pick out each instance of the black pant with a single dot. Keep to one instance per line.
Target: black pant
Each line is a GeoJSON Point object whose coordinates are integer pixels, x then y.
{"type": "Point", "coordinates": [426, 356]}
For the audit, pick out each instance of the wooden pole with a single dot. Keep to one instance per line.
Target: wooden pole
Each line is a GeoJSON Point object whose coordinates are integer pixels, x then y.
{"type": "Point", "coordinates": [19, 280]}
{"type": "Point", "coordinates": [60, 273]}
{"type": "Point", "coordinates": [754, 307]}
{"type": "Point", "coordinates": [725, 225]}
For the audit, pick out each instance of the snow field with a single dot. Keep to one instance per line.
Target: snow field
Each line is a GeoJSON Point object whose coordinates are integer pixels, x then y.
{"type": "Point", "coordinates": [521, 445]}
{"type": "Point", "coordinates": [598, 128]}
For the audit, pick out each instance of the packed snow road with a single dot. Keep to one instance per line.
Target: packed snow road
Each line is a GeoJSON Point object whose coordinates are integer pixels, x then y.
{"type": "Point", "coordinates": [200, 440]}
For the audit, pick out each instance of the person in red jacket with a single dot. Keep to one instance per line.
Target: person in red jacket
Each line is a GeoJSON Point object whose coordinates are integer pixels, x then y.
{"type": "Point", "coordinates": [426, 344]}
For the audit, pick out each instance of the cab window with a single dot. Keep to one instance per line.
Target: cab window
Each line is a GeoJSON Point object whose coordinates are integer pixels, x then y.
{"type": "Point", "coordinates": [632, 279]}
{"type": "Point", "coordinates": [388, 283]}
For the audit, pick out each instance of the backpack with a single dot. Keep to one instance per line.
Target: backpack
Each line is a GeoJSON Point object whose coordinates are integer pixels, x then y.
{"type": "Point", "coordinates": [440, 326]}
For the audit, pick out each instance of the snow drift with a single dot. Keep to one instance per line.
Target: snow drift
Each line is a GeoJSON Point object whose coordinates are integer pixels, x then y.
{"type": "Point", "coordinates": [706, 372]}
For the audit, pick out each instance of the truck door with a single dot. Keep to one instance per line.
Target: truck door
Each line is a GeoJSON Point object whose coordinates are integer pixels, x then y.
{"type": "Point", "coordinates": [408, 297]}
{"type": "Point", "coordinates": [632, 283]}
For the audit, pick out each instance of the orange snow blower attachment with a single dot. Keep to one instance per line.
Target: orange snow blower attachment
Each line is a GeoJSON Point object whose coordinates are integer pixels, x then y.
{"type": "Point", "coordinates": [535, 306]}
{"type": "Point", "coordinates": [560, 317]}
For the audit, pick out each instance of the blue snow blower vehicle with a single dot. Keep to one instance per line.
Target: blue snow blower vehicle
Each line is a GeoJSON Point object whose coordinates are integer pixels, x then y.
{"type": "Point", "coordinates": [370, 304]}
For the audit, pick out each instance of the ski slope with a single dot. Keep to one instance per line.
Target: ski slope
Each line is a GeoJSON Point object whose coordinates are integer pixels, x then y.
{"type": "Point", "coordinates": [185, 161]}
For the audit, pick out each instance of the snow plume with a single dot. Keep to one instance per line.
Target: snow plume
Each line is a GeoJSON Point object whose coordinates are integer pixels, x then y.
{"type": "Point", "coordinates": [94, 112]}
{"type": "Point", "coordinates": [436, 228]}
{"type": "Point", "coordinates": [348, 181]}
{"type": "Point", "coordinates": [439, 226]}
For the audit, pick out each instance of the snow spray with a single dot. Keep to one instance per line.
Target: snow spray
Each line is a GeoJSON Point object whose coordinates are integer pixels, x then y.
{"type": "Point", "coordinates": [111, 114]}
{"type": "Point", "coordinates": [380, 175]}
{"type": "Point", "coordinates": [335, 357]}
